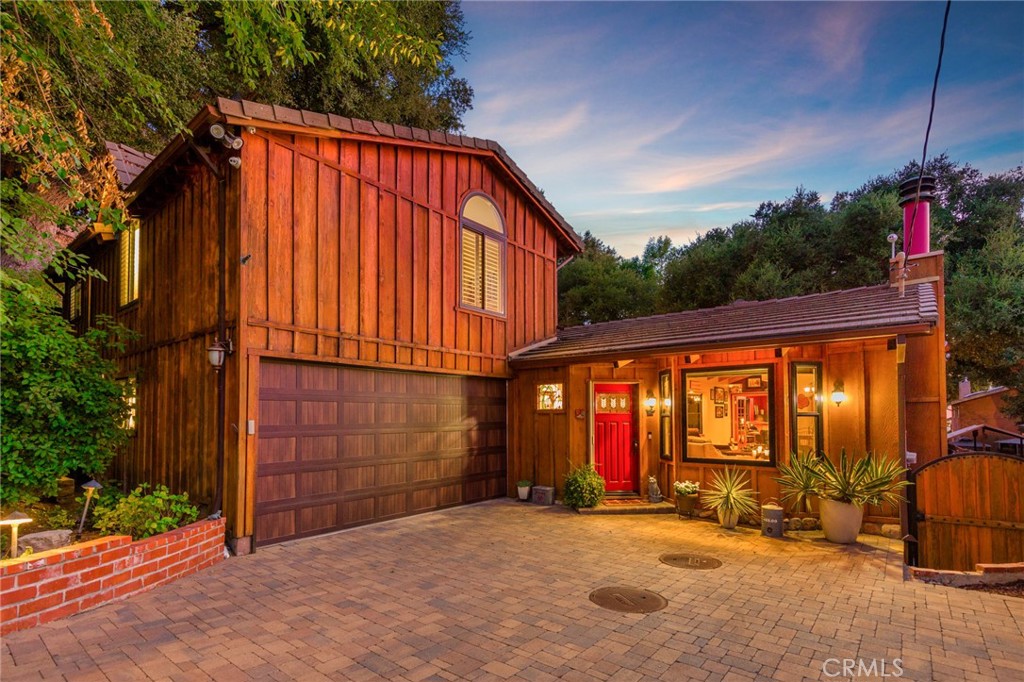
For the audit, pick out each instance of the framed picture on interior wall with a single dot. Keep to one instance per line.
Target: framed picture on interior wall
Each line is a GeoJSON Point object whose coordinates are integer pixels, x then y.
{"type": "Point", "coordinates": [694, 385]}
{"type": "Point", "coordinates": [753, 382]}
{"type": "Point", "coordinates": [719, 411]}
{"type": "Point", "coordinates": [718, 394]}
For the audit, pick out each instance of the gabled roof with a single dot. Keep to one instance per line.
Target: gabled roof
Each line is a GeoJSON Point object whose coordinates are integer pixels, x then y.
{"type": "Point", "coordinates": [128, 161]}
{"type": "Point", "coordinates": [850, 313]}
{"type": "Point", "coordinates": [254, 112]}
{"type": "Point", "coordinates": [988, 392]}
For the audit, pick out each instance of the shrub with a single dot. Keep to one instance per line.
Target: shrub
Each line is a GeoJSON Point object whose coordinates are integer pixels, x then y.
{"type": "Point", "coordinates": [584, 487]}
{"type": "Point", "coordinates": [61, 408]}
{"type": "Point", "coordinates": [142, 515]}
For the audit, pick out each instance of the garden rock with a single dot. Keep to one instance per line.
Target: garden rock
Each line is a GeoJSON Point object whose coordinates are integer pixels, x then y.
{"type": "Point", "coordinates": [809, 524]}
{"type": "Point", "coordinates": [47, 539]}
{"type": "Point", "coordinates": [891, 530]}
{"type": "Point", "coordinates": [871, 528]}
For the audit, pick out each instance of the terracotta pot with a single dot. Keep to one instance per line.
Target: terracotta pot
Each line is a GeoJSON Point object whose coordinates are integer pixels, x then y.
{"type": "Point", "coordinates": [728, 519]}
{"type": "Point", "coordinates": [841, 521]}
{"type": "Point", "coordinates": [524, 492]}
{"type": "Point", "coordinates": [685, 504]}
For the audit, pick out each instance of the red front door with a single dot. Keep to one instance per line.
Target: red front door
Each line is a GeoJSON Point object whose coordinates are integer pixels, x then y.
{"type": "Point", "coordinates": [615, 436]}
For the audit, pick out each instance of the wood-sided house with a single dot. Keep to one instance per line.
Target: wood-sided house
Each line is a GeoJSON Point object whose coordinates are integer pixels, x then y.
{"type": "Point", "coordinates": [681, 395]}
{"type": "Point", "coordinates": [364, 284]}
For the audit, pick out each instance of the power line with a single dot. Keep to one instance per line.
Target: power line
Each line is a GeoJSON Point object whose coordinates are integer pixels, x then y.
{"type": "Point", "coordinates": [931, 114]}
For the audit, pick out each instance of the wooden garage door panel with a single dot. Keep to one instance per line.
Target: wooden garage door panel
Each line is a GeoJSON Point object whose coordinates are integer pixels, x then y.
{"type": "Point", "coordinates": [344, 446]}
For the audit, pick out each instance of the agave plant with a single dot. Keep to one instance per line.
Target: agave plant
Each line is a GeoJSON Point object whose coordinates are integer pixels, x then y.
{"type": "Point", "coordinates": [728, 492]}
{"type": "Point", "coordinates": [868, 480]}
{"type": "Point", "coordinates": [799, 480]}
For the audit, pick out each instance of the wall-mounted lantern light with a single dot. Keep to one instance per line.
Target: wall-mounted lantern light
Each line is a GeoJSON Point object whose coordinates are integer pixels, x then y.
{"type": "Point", "coordinates": [15, 519]}
{"type": "Point", "coordinates": [838, 392]}
{"type": "Point", "coordinates": [650, 402]}
{"type": "Point", "coordinates": [218, 352]}
{"type": "Point", "coordinates": [667, 402]}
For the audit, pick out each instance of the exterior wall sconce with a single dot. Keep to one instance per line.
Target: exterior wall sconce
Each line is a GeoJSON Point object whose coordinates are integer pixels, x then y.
{"type": "Point", "coordinates": [838, 392]}
{"type": "Point", "coordinates": [667, 402]}
{"type": "Point", "coordinates": [15, 519]}
{"type": "Point", "coordinates": [91, 487]}
{"type": "Point", "coordinates": [650, 402]}
{"type": "Point", "coordinates": [218, 352]}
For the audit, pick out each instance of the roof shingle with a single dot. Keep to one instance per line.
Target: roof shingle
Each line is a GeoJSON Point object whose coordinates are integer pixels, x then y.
{"type": "Point", "coordinates": [856, 312]}
{"type": "Point", "coordinates": [129, 162]}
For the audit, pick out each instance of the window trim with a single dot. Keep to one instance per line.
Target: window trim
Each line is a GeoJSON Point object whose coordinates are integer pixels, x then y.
{"type": "Point", "coordinates": [773, 420]}
{"type": "Point", "coordinates": [133, 232]}
{"type": "Point", "coordinates": [795, 410]}
{"type": "Point", "coordinates": [75, 290]}
{"type": "Point", "coordinates": [536, 396]}
{"type": "Point", "coordinates": [667, 445]}
{"type": "Point", "coordinates": [486, 233]}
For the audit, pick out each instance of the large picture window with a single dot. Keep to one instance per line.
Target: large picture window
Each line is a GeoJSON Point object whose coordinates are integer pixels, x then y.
{"type": "Point", "coordinates": [483, 256]}
{"type": "Point", "coordinates": [805, 382]}
{"type": "Point", "coordinates": [729, 416]}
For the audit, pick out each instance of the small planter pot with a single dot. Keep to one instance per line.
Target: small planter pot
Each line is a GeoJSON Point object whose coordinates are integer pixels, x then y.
{"type": "Point", "coordinates": [841, 521]}
{"type": "Point", "coordinates": [685, 504]}
{"type": "Point", "coordinates": [524, 492]}
{"type": "Point", "coordinates": [728, 519]}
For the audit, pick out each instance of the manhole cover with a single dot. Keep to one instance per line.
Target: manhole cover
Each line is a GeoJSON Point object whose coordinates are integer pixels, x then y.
{"type": "Point", "coordinates": [628, 599]}
{"type": "Point", "coordinates": [701, 563]}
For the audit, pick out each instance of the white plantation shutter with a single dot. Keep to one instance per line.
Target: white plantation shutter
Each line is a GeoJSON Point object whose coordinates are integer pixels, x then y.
{"type": "Point", "coordinates": [472, 289]}
{"type": "Point", "coordinates": [129, 265]}
{"type": "Point", "coordinates": [493, 298]}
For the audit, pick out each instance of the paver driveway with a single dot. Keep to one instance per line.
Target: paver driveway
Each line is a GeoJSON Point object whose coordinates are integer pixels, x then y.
{"type": "Point", "coordinates": [500, 590]}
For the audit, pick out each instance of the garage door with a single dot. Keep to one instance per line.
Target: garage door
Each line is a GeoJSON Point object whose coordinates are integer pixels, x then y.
{"type": "Point", "coordinates": [343, 446]}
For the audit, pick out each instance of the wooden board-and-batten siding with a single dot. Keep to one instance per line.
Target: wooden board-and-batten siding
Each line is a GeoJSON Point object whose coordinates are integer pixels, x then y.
{"type": "Point", "coordinates": [354, 247]}
{"type": "Point", "coordinates": [343, 446]}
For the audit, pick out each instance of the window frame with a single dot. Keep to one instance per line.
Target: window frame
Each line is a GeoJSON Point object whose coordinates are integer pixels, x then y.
{"type": "Point", "coordinates": [131, 423]}
{"type": "Point", "coordinates": [665, 414]}
{"type": "Point", "coordinates": [130, 238]}
{"type": "Point", "coordinates": [485, 233]}
{"type": "Point", "coordinates": [795, 412]}
{"type": "Point", "coordinates": [773, 420]}
{"type": "Point", "coordinates": [75, 294]}
{"type": "Point", "coordinates": [536, 394]}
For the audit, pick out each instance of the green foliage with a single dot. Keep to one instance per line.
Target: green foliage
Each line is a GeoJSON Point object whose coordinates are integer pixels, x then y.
{"type": "Point", "coordinates": [57, 518]}
{"type": "Point", "coordinates": [686, 487]}
{"type": "Point", "coordinates": [525, 483]}
{"type": "Point", "coordinates": [598, 286]}
{"type": "Point", "coordinates": [729, 492]}
{"type": "Point", "coordinates": [584, 487]}
{"type": "Point", "coordinates": [142, 514]}
{"type": "Point", "coordinates": [868, 480]}
{"type": "Point", "coordinates": [61, 408]}
{"type": "Point", "coordinates": [798, 480]}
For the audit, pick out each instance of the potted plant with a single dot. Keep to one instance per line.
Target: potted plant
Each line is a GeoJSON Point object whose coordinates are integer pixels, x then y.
{"type": "Point", "coordinates": [523, 488]}
{"type": "Point", "coordinates": [729, 496]}
{"type": "Point", "coordinates": [687, 494]}
{"type": "Point", "coordinates": [843, 490]}
{"type": "Point", "coordinates": [799, 481]}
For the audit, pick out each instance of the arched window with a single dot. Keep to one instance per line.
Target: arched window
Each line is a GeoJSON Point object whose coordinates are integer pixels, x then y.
{"type": "Point", "coordinates": [483, 255]}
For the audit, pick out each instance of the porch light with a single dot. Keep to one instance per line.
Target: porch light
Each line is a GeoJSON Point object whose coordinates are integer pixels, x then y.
{"type": "Point", "coordinates": [650, 402]}
{"type": "Point", "coordinates": [667, 402]}
{"type": "Point", "coordinates": [15, 519]}
{"type": "Point", "coordinates": [838, 393]}
{"type": "Point", "coordinates": [90, 488]}
{"type": "Point", "coordinates": [217, 352]}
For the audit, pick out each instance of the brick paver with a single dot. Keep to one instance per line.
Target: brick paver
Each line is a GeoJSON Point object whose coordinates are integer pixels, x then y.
{"type": "Point", "coordinates": [499, 591]}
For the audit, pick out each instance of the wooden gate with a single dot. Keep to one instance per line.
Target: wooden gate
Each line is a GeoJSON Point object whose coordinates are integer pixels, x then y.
{"type": "Point", "coordinates": [966, 509]}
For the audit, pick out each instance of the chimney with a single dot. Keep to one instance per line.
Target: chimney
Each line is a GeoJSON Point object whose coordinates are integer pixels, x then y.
{"type": "Point", "coordinates": [964, 388]}
{"type": "Point", "coordinates": [917, 214]}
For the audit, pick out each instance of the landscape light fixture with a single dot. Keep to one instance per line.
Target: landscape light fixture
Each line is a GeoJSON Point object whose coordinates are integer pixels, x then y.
{"type": "Point", "coordinates": [15, 519]}
{"type": "Point", "coordinates": [650, 402]}
{"type": "Point", "coordinates": [838, 392]}
{"type": "Point", "coordinates": [218, 352]}
{"type": "Point", "coordinates": [91, 487]}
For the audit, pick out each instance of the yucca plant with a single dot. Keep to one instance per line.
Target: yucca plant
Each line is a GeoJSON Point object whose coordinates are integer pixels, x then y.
{"type": "Point", "coordinates": [799, 480]}
{"type": "Point", "coordinates": [729, 493]}
{"type": "Point", "coordinates": [868, 480]}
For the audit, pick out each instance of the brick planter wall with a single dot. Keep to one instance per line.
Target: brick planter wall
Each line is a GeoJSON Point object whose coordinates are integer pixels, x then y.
{"type": "Point", "coordinates": [61, 582]}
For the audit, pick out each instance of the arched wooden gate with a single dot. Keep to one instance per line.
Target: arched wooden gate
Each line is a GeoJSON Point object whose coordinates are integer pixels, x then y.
{"type": "Point", "coordinates": [966, 509]}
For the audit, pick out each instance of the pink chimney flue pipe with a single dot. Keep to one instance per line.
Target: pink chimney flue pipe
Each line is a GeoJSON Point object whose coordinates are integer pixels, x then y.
{"type": "Point", "coordinates": [917, 226]}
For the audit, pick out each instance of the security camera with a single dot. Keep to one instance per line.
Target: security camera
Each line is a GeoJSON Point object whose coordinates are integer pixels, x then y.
{"type": "Point", "coordinates": [217, 131]}
{"type": "Point", "coordinates": [232, 141]}
{"type": "Point", "coordinates": [235, 161]}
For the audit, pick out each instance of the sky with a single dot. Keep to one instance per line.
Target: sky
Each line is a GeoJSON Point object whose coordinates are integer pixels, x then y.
{"type": "Point", "coordinates": [641, 119]}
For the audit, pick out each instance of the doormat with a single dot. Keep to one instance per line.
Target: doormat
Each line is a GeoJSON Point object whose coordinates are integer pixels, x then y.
{"type": "Point", "coordinates": [701, 563]}
{"type": "Point", "coordinates": [628, 599]}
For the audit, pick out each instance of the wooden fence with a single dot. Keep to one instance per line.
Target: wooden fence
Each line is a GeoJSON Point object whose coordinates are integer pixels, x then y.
{"type": "Point", "coordinates": [966, 509]}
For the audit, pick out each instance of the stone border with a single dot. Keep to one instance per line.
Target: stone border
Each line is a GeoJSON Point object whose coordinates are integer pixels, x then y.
{"type": "Point", "coordinates": [985, 574]}
{"type": "Point", "coordinates": [61, 582]}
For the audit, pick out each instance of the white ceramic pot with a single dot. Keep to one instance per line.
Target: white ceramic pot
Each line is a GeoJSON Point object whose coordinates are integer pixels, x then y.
{"type": "Point", "coordinates": [728, 519]}
{"type": "Point", "coordinates": [524, 492]}
{"type": "Point", "coordinates": [840, 521]}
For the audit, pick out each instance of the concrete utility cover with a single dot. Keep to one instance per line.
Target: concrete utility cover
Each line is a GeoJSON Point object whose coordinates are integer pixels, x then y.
{"type": "Point", "coordinates": [701, 563]}
{"type": "Point", "coordinates": [628, 599]}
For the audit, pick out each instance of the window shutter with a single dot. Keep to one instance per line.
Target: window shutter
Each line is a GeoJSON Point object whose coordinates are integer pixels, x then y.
{"type": "Point", "coordinates": [472, 290]}
{"type": "Point", "coordinates": [492, 276]}
{"type": "Point", "coordinates": [124, 281]}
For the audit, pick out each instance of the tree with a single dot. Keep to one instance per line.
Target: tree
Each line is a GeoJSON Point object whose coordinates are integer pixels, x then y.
{"type": "Point", "coordinates": [598, 286]}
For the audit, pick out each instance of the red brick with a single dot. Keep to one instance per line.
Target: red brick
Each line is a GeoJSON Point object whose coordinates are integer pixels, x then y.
{"type": "Point", "coordinates": [82, 564]}
{"type": "Point", "coordinates": [115, 579]}
{"type": "Point", "coordinates": [60, 584]}
{"type": "Point", "coordinates": [40, 604]}
{"type": "Point", "coordinates": [7, 582]}
{"type": "Point", "coordinates": [62, 611]}
{"type": "Point", "coordinates": [126, 589]}
{"type": "Point", "coordinates": [19, 595]}
{"type": "Point", "coordinates": [154, 578]}
{"type": "Point", "coordinates": [8, 612]}
{"type": "Point", "coordinates": [98, 573]}
{"type": "Point", "coordinates": [40, 575]}
{"type": "Point", "coordinates": [19, 624]}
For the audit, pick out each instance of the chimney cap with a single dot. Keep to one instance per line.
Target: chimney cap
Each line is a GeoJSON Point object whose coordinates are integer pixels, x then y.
{"type": "Point", "coordinates": [908, 188]}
